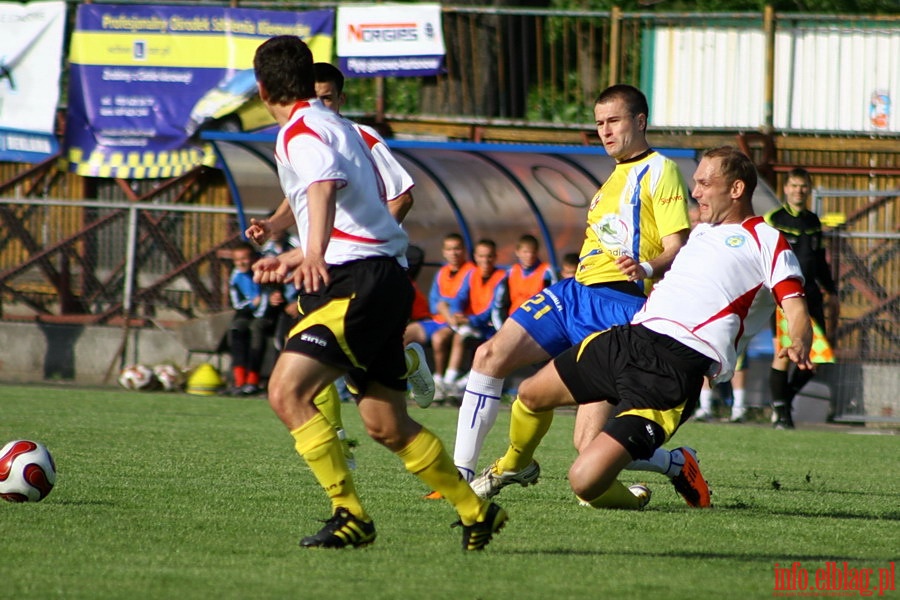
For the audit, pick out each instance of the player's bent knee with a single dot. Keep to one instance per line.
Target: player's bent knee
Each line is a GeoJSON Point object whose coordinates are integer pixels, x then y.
{"type": "Point", "coordinates": [583, 481]}
{"type": "Point", "coordinates": [387, 435]}
{"type": "Point", "coordinates": [537, 396]}
{"type": "Point", "coordinates": [532, 401]}
{"type": "Point", "coordinates": [489, 361]}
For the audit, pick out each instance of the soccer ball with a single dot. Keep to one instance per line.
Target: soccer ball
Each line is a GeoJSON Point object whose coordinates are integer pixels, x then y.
{"type": "Point", "coordinates": [138, 377]}
{"type": "Point", "coordinates": [27, 471]}
{"type": "Point", "coordinates": [170, 377]}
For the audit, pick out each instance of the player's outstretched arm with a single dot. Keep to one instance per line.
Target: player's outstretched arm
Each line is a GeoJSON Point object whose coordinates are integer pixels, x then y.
{"type": "Point", "coordinates": [800, 330]}
{"type": "Point", "coordinates": [261, 230]}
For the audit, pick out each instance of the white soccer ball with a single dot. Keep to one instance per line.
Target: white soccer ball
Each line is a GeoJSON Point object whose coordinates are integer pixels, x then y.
{"type": "Point", "coordinates": [138, 377]}
{"type": "Point", "coordinates": [170, 377]}
{"type": "Point", "coordinates": [27, 471]}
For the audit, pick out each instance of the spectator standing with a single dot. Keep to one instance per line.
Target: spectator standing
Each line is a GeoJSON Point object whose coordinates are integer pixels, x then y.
{"type": "Point", "coordinates": [803, 231]}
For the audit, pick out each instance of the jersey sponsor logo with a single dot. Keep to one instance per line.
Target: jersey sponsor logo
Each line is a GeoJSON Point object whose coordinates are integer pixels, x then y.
{"type": "Point", "coordinates": [675, 198]}
{"type": "Point", "coordinates": [735, 241]}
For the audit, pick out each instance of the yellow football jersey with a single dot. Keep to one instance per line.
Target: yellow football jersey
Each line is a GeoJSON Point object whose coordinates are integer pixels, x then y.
{"type": "Point", "coordinates": [644, 200]}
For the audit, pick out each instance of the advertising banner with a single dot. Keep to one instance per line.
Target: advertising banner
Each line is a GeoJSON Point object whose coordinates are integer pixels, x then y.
{"type": "Point", "coordinates": [145, 79]}
{"type": "Point", "coordinates": [395, 40]}
{"type": "Point", "coordinates": [30, 65]}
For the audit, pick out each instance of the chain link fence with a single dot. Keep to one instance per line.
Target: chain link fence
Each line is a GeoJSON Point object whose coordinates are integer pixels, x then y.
{"type": "Point", "coordinates": [864, 246]}
{"type": "Point", "coordinates": [98, 260]}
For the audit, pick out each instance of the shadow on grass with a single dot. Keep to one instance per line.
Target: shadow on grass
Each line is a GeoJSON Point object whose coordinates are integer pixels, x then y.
{"type": "Point", "coordinates": [687, 554]}
{"type": "Point", "coordinates": [811, 514]}
{"type": "Point", "coordinates": [789, 489]}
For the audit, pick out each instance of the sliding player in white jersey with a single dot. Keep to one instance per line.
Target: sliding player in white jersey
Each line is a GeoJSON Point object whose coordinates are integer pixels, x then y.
{"type": "Point", "coordinates": [720, 291]}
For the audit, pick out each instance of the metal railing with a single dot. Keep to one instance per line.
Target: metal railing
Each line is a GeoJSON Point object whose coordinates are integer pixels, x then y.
{"type": "Point", "coordinates": [866, 265]}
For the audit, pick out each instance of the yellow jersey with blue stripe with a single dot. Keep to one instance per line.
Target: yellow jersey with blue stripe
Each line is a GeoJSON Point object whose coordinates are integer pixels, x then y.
{"type": "Point", "coordinates": [644, 200]}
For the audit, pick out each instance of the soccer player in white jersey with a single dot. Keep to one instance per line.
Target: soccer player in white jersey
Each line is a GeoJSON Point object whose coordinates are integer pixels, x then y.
{"type": "Point", "coordinates": [354, 298]}
{"type": "Point", "coordinates": [720, 291]}
{"type": "Point", "coordinates": [398, 186]}
{"type": "Point", "coordinates": [636, 223]}
{"type": "Point", "coordinates": [398, 183]}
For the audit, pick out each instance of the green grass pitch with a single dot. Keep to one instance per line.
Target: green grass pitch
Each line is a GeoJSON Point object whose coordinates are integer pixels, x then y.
{"type": "Point", "coordinates": [177, 496]}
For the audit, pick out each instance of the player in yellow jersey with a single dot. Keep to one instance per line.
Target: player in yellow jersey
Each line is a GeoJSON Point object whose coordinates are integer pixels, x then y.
{"type": "Point", "coordinates": [636, 224]}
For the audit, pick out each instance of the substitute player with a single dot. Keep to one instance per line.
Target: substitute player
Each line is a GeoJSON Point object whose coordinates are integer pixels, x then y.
{"type": "Point", "coordinates": [720, 291]}
{"type": "Point", "coordinates": [355, 299]}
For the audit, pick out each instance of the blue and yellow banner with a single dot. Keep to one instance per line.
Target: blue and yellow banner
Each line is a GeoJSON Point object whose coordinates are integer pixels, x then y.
{"type": "Point", "coordinates": [145, 79]}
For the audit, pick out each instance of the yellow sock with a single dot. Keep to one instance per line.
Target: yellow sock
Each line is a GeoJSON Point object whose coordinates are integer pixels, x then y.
{"type": "Point", "coordinates": [426, 458]}
{"type": "Point", "coordinates": [329, 404]}
{"type": "Point", "coordinates": [318, 444]}
{"type": "Point", "coordinates": [526, 430]}
{"type": "Point", "coordinates": [617, 496]}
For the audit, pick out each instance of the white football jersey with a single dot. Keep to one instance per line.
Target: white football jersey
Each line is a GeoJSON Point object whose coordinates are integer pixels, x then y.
{"type": "Point", "coordinates": [396, 179]}
{"type": "Point", "coordinates": [719, 291]}
{"type": "Point", "coordinates": [318, 145]}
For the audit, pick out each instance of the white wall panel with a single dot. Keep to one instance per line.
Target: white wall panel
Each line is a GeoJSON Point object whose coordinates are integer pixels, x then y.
{"type": "Point", "coordinates": [707, 77]}
{"type": "Point", "coordinates": [825, 79]}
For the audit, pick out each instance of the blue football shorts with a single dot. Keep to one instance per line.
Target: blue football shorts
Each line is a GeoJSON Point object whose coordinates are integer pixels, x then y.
{"type": "Point", "coordinates": [560, 316]}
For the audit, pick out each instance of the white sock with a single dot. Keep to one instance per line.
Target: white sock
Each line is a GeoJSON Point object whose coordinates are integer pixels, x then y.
{"type": "Point", "coordinates": [450, 376]}
{"type": "Point", "coordinates": [738, 403]}
{"type": "Point", "coordinates": [438, 381]}
{"type": "Point", "coordinates": [706, 400]}
{"type": "Point", "coordinates": [477, 413]}
{"type": "Point", "coordinates": [660, 462]}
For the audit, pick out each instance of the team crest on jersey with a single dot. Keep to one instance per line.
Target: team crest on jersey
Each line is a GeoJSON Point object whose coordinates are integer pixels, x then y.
{"type": "Point", "coordinates": [735, 241]}
{"type": "Point", "coordinates": [595, 200]}
{"type": "Point", "coordinates": [613, 233]}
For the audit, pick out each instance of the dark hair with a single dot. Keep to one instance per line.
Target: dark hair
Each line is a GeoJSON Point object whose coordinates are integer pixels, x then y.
{"type": "Point", "coordinates": [735, 165]}
{"type": "Point", "coordinates": [633, 98]}
{"type": "Point", "coordinates": [284, 67]}
{"type": "Point", "coordinates": [242, 245]}
{"type": "Point", "coordinates": [800, 173]}
{"type": "Point", "coordinates": [328, 73]}
{"type": "Point", "coordinates": [486, 242]}
{"type": "Point", "coordinates": [529, 239]}
{"type": "Point", "coordinates": [570, 258]}
{"type": "Point", "coordinates": [454, 237]}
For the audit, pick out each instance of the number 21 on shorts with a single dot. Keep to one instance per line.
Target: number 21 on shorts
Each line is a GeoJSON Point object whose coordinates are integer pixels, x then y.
{"type": "Point", "coordinates": [535, 302]}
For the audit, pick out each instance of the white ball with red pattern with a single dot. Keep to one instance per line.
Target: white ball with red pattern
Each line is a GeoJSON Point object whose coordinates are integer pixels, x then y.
{"type": "Point", "coordinates": [27, 471]}
{"type": "Point", "coordinates": [138, 377]}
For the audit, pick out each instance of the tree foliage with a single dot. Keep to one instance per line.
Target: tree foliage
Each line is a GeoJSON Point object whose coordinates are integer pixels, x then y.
{"type": "Point", "coordinates": [807, 6]}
